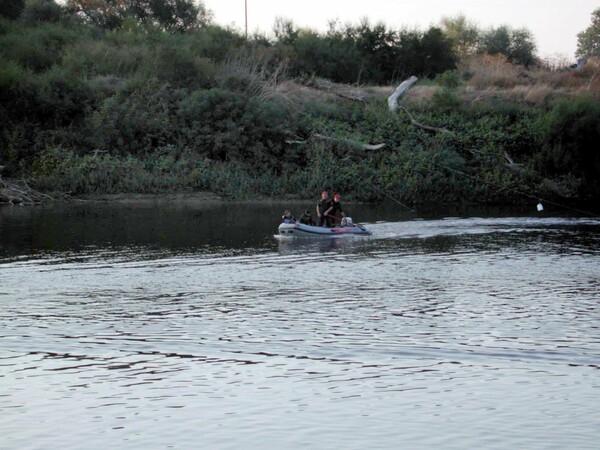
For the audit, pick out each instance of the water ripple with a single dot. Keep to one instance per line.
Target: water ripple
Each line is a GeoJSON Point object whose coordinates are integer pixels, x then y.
{"type": "Point", "coordinates": [399, 338]}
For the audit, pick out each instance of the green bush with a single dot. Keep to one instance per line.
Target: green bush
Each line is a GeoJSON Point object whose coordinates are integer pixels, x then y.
{"type": "Point", "coordinates": [569, 136]}
{"type": "Point", "coordinates": [179, 67]}
{"type": "Point", "coordinates": [11, 9]}
{"type": "Point", "coordinates": [137, 122]}
{"type": "Point", "coordinates": [62, 98]}
{"type": "Point", "coordinates": [37, 48]}
{"type": "Point", "coordinates": [41, 11]}
{"type": "Point", "coordinates": [102, 58]}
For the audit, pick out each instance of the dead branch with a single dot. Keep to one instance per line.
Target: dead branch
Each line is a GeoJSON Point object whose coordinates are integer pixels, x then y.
{"type": "Point", "coordinates": [425, 127]}
{"type": "Point", "coordinates": [394, 106]}
{"type": "Point", "coordinates": [339, 90]}
{"type": "Point", "coordinates": [19, 192]}
{"type": "Point", "coordinates": [399, 92]}
{"type": "Point", "coordinates": [349, 142]}
{"type": "Point", "coordinates": [483, 94]}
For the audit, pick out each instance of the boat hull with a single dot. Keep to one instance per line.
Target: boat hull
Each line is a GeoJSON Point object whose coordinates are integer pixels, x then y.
{"type": "Point", "coordinates": [301, 230]}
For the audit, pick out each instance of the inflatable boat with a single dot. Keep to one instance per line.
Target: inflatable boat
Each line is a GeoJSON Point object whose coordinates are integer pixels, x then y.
{"type": "Point", "coordinates": [301, 230]}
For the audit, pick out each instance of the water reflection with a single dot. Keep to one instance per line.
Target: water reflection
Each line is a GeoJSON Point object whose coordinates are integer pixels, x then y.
{"type": "Point", "coordinates": [165, 328]}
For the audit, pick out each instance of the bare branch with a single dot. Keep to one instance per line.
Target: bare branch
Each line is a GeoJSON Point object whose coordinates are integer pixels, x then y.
{"type": "Point", "coordinates": [425, 127]}
{"type": "Point", "coordinates": [399, 92]}
{"type": "Point", "coordinates": [340, 90]}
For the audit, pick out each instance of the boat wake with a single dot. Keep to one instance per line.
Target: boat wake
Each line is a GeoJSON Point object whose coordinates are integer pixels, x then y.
{"type": "Point", "coordinates": [454, 226]}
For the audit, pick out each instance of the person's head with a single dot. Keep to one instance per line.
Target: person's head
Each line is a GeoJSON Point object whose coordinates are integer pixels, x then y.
{"type": "Point", "coordinates": [287, 213]}
{"type": "Point", "coordinates": [337, 197]}
{"type": "Point", "coordinates": [324, 195]}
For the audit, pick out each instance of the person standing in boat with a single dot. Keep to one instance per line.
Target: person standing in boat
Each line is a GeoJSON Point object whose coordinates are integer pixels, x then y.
{"type": "Point", "coordinates": [335, 212]}
{"type": "Point", "coordinates": [322, 206]}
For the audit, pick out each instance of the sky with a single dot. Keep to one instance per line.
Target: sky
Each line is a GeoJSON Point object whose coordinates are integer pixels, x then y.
{"type": "Point", "coordinates": [553, 23]}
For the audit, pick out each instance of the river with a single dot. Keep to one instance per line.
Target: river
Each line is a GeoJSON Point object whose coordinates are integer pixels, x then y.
{"type": "Point", "coordinates": [188, 325]}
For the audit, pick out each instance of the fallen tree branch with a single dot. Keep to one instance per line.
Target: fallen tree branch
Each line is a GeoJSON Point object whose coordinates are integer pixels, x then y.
{"type": "Point", "coordinates": [483, 94]}
{"type": "Point", "coordinates": [335, 89]}
{"type": "Point", "coordinates": [511, 164]}
{"type": "Point", "coordinates": [349, 142]}
{"type": "Point", "coordinates": [394, 106]}
{"type": "Point", "coordinates": [19, 192]}
{"type": "Point", "coordinates": [425, 127]}
{"type": "Point", "coordinates": [399, 92]}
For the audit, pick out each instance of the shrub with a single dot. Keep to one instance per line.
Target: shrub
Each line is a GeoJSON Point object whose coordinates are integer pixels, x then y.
{"type": "Point", "coordinates": [37, 48]}
{"type": "Point", "coordinates": [179, 67]}
{"type": "Point", "coordinates": [104, 58]}
{"type": "Point", "coordinates": [137, 122]}
{"type": "Point", "coordinates": [62, 97]}
{"type": "Point", "coordinates": [41, 11]}
{"type": "Point", "coordinates": [11, 9]}
{"type": "Point", "coordinates": [569, 137]}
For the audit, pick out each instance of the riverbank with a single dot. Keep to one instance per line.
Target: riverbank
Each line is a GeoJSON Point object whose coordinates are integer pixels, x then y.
{"type": "Point", "coordinates": [94, 122]}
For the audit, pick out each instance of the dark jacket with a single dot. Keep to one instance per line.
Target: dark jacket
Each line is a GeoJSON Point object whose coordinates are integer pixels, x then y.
{"type": "Point", "coordinates": [306, 219]}
{"type": "Point", "coordinates": [336, 209]}
{"type": "Point", "coordinates": [323, 205]}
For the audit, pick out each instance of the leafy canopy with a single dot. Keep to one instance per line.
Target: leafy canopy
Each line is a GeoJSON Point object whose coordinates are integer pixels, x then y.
{"type": "Point", "coordinates": [588, 41]}
{"type": "Point", "coordinates": [167, 15]}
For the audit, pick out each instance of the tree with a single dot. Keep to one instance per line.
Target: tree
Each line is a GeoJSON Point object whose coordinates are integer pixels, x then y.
{"type": "Point", "coordinates": [568, 136]}
{"type": "Point", "coordinates": [522, 48]}
{"type": "Point", "coordinates": [105, 14]}
{"type": "Point", "coordinates": [168, 15]}
{"type": "Point", "coordinates": [463, 34]}
{"type": "Point", "coordinates": [171, 15]}
{"type": "Point", "coordinates": [11, 9]}
{"type": "Point", "coordinates": [517, 45]}
{"type": "Point", "coordinates": [285, 31]}
{"type": "Point", "coordinates": [377, 46]}
{"type": "Point", "coordinates": [588, 41]}
{"type": "Point", "coordinates": [41, 11]}
{"type": "Point", "coordinates": [437, 53]}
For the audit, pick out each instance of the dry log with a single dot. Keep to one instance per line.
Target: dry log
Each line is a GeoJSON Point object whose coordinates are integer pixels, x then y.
{"type": "Point", "coordinates": [348, 142]}
{"type": "Point", "coordinates": [511, 164]}
{"type": "Point", "coordinates": [425, 127]}
{"type": "Point", "coordinates": [19, 192]}
{"type": "Point", "coordinates": [342, 91]}
{"type": "Point", "coordinates": [394, 106]}
{"type": "Point", "coordinates": [399, 92]}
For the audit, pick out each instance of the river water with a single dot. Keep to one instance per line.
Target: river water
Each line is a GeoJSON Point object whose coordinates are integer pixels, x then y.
{"type": "Point", "coordinates": [158, 325]}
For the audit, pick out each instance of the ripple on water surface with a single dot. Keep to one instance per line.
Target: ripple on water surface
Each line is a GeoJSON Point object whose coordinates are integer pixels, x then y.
{"type": "Point", "coordinates": [456, 333]}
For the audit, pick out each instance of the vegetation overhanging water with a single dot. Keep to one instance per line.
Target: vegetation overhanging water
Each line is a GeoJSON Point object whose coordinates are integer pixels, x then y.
{"type": "Point", "coordinates": [111, 101]}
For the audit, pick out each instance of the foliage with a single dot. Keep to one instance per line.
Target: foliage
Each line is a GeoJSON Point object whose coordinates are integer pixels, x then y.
{"type": "Point", "coordinates": [365, 53]}
{"type": "Point", "coordinates": [588, 41]}
{"type": "Point", "coordinates": [11, 9]}
{"type": "Point", "coordinates": [569, 136]}
{"type": "Point", "coordinates": [143, 109]}
{"type": "Point", "coordinates": [463, 34]}
{"type": "Point", "coordinates": [167, 15]}
{"type": "Point", "coordinates": [517, 45]}
{"type": "Point", "coordinates": [178, 66]}
{"type": "Point", "coordinates": [41, 11]}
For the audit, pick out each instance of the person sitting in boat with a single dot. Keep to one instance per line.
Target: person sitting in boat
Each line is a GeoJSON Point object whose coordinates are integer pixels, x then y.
{"type": "Point", "coordinates": [335, 213]}
{"type": "Point", "coordinates": [347, 222]}
{"type": "Point", "coordinates": [306, 218]}
{"type": "Point", "coordinates": [323, 205]}
{"type": "Point", "coordinates": [288, 217]}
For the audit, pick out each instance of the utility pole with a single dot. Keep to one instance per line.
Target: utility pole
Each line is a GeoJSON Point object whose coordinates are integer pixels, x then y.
{"type": "Point", "coordinates": [246, 11]}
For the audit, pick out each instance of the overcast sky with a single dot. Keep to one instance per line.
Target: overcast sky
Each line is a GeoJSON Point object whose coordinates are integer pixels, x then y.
{"type": "Point", "coordinates": [554, 23]}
